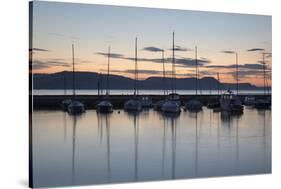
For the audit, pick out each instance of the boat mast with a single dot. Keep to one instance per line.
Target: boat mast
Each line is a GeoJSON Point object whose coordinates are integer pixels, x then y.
{"type": "Point", "coordinates": [107, 78]}
{"type": "Point", "coordinates": [173, 66]}
{"type": "Point", "coordinates": [136, 67]}
{"type": "Point", "coordinates": [73, 71]}
{"type": "Point", "coordinates": [64, 83]}
{"type": "Point", "coordinates": [237, 80]}
{"type": "Point", "coordinates": [98, 84]}
{"type": "Point", "coordinates": [196, 69]}
{"type": "Point", "coordinates": [263, 74]}
{"type": "Point", "coordinates": [218, 77]}
{"type": "Point", "coordinates": [164, 74]}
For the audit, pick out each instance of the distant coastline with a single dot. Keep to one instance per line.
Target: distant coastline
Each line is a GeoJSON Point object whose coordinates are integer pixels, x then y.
{"type": "Point", "coordinates": [89, 80]}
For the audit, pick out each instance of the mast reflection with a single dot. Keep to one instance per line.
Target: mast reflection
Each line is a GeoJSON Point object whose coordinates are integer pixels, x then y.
{"type": "Point", "coordinates": [64, 127]}
{"type": "Point", "coordinates": [100, 126]}
{"type": "Point", "coordinates": [136, 142]}
{"type": "Point", "coordinates": [237, 144]}
{"type": "Point", "coordinates": [107, 126]}
{"type": "Point", "coordinates": [73, 147]}
{"type": "Point", "coordinates": [172, 117]}
{"type": "Point", "coordinates": [163, 147]}
{"type": "Point", "coordinates": [101, 119]}
{"type": "Point", "coordinates": [174, 142]}
{"type": "Point", "coordinates": [196, 144]}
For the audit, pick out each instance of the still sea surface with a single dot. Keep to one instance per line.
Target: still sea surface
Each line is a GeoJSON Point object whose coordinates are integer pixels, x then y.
{"type": "Point", "coordinates": [94, 148]}
{"type": "Point", "coordinates": [142, 92]}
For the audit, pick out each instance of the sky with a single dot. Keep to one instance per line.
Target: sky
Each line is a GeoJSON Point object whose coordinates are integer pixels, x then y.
{"type": "Point", "coordinates": [93, 28]}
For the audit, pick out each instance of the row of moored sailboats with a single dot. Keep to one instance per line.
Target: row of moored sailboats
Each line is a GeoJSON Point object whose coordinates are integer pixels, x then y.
{"type": "Point", "coordinates": [170, 104]}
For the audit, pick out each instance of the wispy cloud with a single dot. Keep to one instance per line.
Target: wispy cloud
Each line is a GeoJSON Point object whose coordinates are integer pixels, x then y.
{"type": "Point", "coordinates": [141, 71]}
{"type": "Point", "coordinates": [152, 49]}
{"type": "Point", "coordinates": [55, 62]}
{"type": "Point", "coordinates": [245, 66]}
{"type": "Point", "coordinates": [180, 62]}
{"type": "Point", "coordinates": [38, 50]}
{"type": "Point", "coordinates": [151, 72]}
{"type": "Point", "coordinates": [228, 52]}
{"type": "Point", "coordinates": [189, 62]}
{"type": "Point", "coordinates": [39, 64]}
{"type": "Point", "coordinates": [242, 74]}
{"type": "Point", "coordinates": [112, 55]}
{"type": "Point", "coordinates": [255, 49]}
{"type": "Point", "coordinates": [179, 48]}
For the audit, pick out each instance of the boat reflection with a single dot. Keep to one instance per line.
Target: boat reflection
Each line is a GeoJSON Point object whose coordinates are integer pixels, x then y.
{"type": "Point", "coordinates": [170, 119]}
{"type": "Point", "coordinates": [163, 148]}
{"type": "Point", "coordinates": [64, 127]}
{"type": "Point", "coordinates": [227, 117]}
{"type": "Point", "coordinates": [135, 116]}
{"type": "Point", "coordinates": [149, 145]}
{"type": "Point", "coordinates": [74, 118]}
{"type": "Point", "coordinates": [105, 118]}
{"type": "Point", "coordinates": [196, 144]}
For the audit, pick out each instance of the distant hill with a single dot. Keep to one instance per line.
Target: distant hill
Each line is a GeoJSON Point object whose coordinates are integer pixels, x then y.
{"type": "Point", "coordinates": [89, 80]}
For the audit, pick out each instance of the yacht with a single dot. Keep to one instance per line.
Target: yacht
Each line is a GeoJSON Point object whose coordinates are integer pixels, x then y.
{"type": "Point", "coordinates": [229, 102]}
{"type": "Point", "coordinates": [172, 104]}
{"type": "Point", "coordinates": [134, 104]}
{"type": "Point", "coordinates": [105, 105]}
{"type": "Point", "coordinates": [194, 104]}
{"type": "Point", "coordinates": [75, 106]}
{"type": "Point", "coordinates": [263, 102]}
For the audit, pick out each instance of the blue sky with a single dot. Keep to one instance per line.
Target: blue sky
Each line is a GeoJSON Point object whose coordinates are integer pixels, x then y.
{"type": "Point", "coordinates": [92, 28]}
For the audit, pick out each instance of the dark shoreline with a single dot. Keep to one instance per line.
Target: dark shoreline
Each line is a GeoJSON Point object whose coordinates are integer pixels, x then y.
{"type": "Point", "coordinates": [53, 102]}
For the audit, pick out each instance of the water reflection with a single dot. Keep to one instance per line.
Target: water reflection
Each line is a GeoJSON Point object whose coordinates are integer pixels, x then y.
{"type": "Point", "coordinates": [64, 127]}
{"type": "Point", "coordinates": [227, 117]}
{"type": "Point", "coordinates": [73, 147]}
{"type": "Point", "coordinates": [171, 119]}
{"type": "Point", "coordinates": [136, 142]}
{"type": "Point", "coordinates": [174, 145]}
{"type": "Point", "coordinates": [100, 148]}
{"type": "Point", "coordinates": [105, 118]}
{"type": "Point", "coordinates": [237, 144]}
{"type": "Point", "coordinates": [163, 148]}
{"type": "Point", "coordinates": [100, 127]}
{"type": "Point", "coordinates": [196, 144]}
{"type": "Point", "coordinates": [107, 126]}
{"type": "Point", "coordinates": [263, 114]}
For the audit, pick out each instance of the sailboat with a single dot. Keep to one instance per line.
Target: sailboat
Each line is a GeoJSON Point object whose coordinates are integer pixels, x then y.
{"type": "Point", "coordinates": [172, 104]}
{"type": "Point", "coordinates": [65, 103]}
{"type": "Point", "coordinates": [194, 104]}
{"type": "Point", "coordinates": [230, 102]}
{"type": "Point", "coordinates": [105, 106]}
{"type": "Point", "coordinates": [75, 107]}
{"type": "Point", "coordinates": [216, 104]}
{"type": "Point", "coordinates": [134, 104]}
{"type": "Point", "coordinates": [263, 103]}
{"type": "Point", "coordinates": [158, 105]}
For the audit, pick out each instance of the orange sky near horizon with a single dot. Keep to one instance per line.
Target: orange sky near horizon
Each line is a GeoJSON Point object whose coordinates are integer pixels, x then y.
{"type": "Point", "coordinates": [92, 28]}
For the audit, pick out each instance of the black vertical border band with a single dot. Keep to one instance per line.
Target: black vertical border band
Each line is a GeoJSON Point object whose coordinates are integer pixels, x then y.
{"type": "Point", "coordinates": [30, 87]}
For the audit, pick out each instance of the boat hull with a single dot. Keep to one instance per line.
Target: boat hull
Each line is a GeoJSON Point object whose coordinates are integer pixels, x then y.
{"type": "Point", "coordinates": [76, 107]}
{"type": "Point", "coordinates": [193, 105]}
{"type": "Point", "coordinates": [170, 107]}
{"type": "Point", "coordinates": [133, 106]}
{"type": "Point", "coordinates": [65, 103]}
{"type": "Point", "coordinates": [104, 107]}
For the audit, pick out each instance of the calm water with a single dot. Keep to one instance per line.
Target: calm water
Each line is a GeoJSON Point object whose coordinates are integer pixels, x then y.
{"type": "Point", "coordinates": [95, 149]}
{"type": "Point", "coordinates": [145, 92]}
